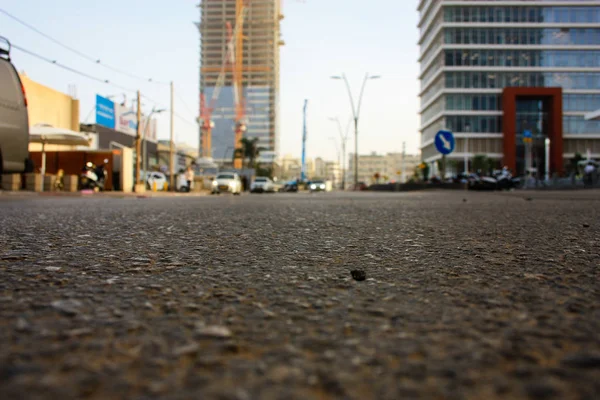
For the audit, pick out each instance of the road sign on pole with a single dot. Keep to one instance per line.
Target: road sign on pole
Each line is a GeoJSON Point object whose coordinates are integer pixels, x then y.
{"type": "Point", "coordinates": [444, 142]}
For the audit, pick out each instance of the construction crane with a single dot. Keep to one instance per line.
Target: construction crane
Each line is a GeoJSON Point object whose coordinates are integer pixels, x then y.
{"type": "Point", "coordinates": [241, 7]}
{"type": "Point", "coordinates": [206, 126]}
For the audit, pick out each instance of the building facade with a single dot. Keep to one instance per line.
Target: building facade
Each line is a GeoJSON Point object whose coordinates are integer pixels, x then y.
{"type": "Point", "coordinates": [504, 76]}
{"type": "Point", "coordinates": [260, 71]}
{"type": "Point", "coordinates": [333, 173]}
{"type": "Point", "coordinates": [47, 106]}
{"type": "Point", "coordinates": [397, 167]}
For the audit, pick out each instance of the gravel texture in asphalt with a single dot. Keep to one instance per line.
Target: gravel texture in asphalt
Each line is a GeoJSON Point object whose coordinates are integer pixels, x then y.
{"type": "Point", "coordinates": [452, 295]}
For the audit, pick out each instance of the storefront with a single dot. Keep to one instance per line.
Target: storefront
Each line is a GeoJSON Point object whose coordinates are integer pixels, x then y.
{"type": "Point", "coordinates": [116, 127]}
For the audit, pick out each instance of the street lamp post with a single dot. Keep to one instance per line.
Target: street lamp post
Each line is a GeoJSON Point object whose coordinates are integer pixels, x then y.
{"type": "Point", "coordinates": [355, 115]}
{"type": "Point", "coordinates": [344, 141]}
{"type": "Point", "coordinates": [145, 137]}
{"type": "Point", "coordinates": [467, 130]}
{"type": "Point", "coordinates": [547, 159]}
{"type": "Point", "coordinates": [337, 150]}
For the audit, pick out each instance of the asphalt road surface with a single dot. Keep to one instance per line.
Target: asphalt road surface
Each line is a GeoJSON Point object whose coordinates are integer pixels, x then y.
{"type": "Point", "coordinates": [467, 296]}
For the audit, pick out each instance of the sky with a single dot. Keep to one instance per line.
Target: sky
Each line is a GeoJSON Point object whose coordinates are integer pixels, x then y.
{"type": "Point", "coordinates": [158, 40]}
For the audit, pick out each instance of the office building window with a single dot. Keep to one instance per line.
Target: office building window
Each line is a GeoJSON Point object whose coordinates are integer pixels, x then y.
{"type": "Point", "coordinates": [485, 79]}
{"type": "Point", "coordinates": [523, 36]}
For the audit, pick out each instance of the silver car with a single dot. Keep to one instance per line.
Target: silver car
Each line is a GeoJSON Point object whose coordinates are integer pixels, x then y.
{"type": "Point", "coordinates": [14, 119]}
{"type": "Point", "coordinates": [262, 184]}
{"type": "Point", "coordinates": [227, 182]}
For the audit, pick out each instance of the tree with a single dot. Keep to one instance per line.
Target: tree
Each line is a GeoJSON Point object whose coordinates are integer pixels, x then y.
{"type": "Point", "coordinates": [480, 162]}
{"type": "Point", "coordinates": [249, 151]}
{"type": "Point", "coordinates": [491, 165]}
{"type": "Point", "coordinates": [425, 170]}
{"type": "Point", "coordinates": [416, 174]}
{"type": "Point", "coordinates": [573, 165]}
{"type": "Point", "coordinates": [264, 171]}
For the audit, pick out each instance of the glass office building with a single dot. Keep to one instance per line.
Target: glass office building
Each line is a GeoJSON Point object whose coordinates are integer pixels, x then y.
{"type": "Point", "coordinates": [258, 116]}
{"type": "Point", "coordinates": [494, 70]}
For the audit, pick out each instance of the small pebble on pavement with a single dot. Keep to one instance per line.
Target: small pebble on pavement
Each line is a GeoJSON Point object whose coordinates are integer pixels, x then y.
{"type": "Point", "coordinates": [358, 275]}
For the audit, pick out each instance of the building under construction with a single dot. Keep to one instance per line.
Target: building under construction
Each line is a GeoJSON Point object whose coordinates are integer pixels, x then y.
{"type": "Point", "coordinates": [239, 74]}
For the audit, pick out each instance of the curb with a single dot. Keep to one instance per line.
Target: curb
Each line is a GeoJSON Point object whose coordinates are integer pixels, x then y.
{"type": "Point", "coordinates": [24, 193]}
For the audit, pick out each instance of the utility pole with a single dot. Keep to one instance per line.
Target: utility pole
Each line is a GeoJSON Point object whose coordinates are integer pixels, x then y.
{"type": "Point", "coordinates": [172, 144]}
{"type": "Point", "coordinates": [145, 147]}
{"type": "Point", "coordinates": [303, 171]}
{"type": "Point", "coordinates": [138, 144]}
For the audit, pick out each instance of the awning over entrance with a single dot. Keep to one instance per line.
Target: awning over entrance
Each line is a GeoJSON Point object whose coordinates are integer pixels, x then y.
{"type": "Point", "coordinates": [47, 134]}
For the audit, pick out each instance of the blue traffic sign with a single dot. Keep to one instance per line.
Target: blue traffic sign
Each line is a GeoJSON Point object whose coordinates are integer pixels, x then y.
{"type": "Point", "coordinates": [527, 133]}
{"type": "Point", "coordinates": [444, 142]}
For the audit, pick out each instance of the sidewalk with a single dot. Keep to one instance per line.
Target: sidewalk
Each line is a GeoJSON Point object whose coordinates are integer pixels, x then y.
{"type": "Point", "coordinates": [108, 194]}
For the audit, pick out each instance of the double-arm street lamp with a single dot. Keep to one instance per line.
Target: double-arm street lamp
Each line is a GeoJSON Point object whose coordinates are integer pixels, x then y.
{"type": "Point", "coordinates": [344, 140]}
{"type": "Point", "coordinates": [355, 115]}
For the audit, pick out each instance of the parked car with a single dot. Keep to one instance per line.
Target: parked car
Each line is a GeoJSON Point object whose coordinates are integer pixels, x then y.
{"type": "Point", "coordinates": [228, 182]}
{"type": "Point", "coordinates": [157, 178]}
{"type": "Point", "coordinates": [291, 186]}
{"type": "Point", "coordinates": [361, 186]}
{"type": "Point", "coordinates": [14, 119]}
{"type": "Point", "coordinates": [317, 186]}
{"type": "Point", "coordinates": [278, 186]}
{"type": "Point", "coordinates": [262, 184]}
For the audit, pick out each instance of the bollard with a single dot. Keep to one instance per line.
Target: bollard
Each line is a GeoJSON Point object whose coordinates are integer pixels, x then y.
{"type": "Point", "coordinates": [154, 186]}
{"type": "Point", "coordinates": [11, 182]}
{"type": "Point", "coordinates": [166, 187]}
{"type": "Point", "coordinates": [33, 182]}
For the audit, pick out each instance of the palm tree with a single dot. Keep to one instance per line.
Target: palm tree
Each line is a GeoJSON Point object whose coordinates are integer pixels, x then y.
{"type": "Point", "coordinates": [480, 162]}
{"type": "Point", "coordinates": [249, 150]}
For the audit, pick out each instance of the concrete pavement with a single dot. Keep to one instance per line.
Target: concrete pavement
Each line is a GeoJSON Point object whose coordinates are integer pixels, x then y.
{"type": "Point", "coordinates": [467, 295]}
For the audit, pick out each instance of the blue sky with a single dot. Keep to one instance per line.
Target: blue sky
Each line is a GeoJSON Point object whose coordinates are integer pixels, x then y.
{"type": "Point", "coordinates": [157, 39]}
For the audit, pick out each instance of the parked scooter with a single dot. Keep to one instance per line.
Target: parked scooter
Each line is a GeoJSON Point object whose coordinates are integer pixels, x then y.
{"type": "Point", "coordinates": [93, 177]}
{"type": "Point", "coordinates": [479, 182]}
{"type": "Point", "coordinates": [505, 180]}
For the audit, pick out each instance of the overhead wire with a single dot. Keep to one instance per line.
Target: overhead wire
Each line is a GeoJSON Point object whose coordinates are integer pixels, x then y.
{"type": "Point", "coordinates": [95, 60]}
{"type": "Point", "coordinates": [100, 80]}
{"type": "Point", "coordinates": [187, 121]}
{"type": "Point", "coordinates": [158, 103]}
{"type": "Point", "coordinates": [73, 70]}
{"type": "Point", "coordinates": [185, 104]}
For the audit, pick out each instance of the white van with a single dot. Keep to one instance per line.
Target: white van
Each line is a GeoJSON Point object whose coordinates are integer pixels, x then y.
{"type": "Point", "coordinates": [14, 120]}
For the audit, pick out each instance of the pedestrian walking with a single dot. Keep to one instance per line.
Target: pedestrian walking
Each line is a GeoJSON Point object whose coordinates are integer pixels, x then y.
{"type": "Point", "coordinates": [588, 172]}
{"type": "Point", "coordinates": [189, 177]}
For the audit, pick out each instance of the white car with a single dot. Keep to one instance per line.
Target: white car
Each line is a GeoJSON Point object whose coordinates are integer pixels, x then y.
{"type": "Point", "coordinates": [157, 178]}
{"type": "Point", "coordinates": [261, 185]}
{"type": "Point", "coordinates": [227, 182]}
{"type": "Point", "coordinates": [317, 186]}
